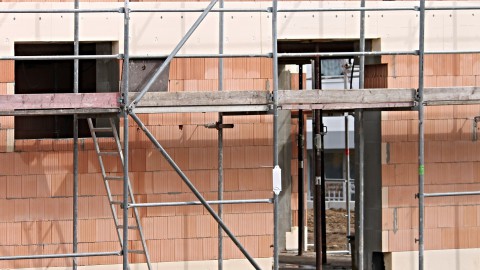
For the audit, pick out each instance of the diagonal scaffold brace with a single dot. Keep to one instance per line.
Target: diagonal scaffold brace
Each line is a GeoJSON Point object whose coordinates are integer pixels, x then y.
{"type": "Point", "coordinates": [193, 189]}
{"type": "Point", "coordinates": [180, 44]}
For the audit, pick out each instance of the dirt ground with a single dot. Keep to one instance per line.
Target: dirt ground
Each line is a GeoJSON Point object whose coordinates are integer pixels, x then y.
{"type": "Point", "coordinates": [336, 228]}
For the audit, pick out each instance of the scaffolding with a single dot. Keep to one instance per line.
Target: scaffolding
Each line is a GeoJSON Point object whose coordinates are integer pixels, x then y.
{"type": "Point", "coordinates": [308, 100]}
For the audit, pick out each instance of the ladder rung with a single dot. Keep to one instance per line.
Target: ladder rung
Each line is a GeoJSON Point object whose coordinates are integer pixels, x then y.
{"type": "Point", "coordinates": [136, 251]}
{"type": "Point", "coordinates": [108, 153]}
{"type": "Point", "coordinates": [102, 129]}
{"type": "Point", "coordinates": [130, 227]}
{"type": "Point", "coordinates": [114, 178]}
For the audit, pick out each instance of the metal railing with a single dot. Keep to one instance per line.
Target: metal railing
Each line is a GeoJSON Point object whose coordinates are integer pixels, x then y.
{"type": "Point", "coordinates": [336, 190]}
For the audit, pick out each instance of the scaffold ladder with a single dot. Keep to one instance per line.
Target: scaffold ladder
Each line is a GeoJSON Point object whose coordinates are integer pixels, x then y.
{"type": "Point", "coordinates": [111, 129]}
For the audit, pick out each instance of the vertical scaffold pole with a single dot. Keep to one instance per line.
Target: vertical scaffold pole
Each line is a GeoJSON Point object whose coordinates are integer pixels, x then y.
{"type": "Point", "coordinates": [220, 136]}
{"type": "Point", "coordinates": [76, 49]}
{"type": "Point", "coordinates": [317, 205]}
{"type": "Point", "coordinates": [347, 179]}
{"type": "Point", "coordinates": [323, 216]}
{"type": "Point", "coordinates": [360, 148]}
{"type": "Point", "coordinates": [421, 139]}
{"type": "Point", "coordinates": [301, 187]}
{"type": "Point", "coordinates": [126, 60]}
{"type": "Point", "coordinates": [275, 128]}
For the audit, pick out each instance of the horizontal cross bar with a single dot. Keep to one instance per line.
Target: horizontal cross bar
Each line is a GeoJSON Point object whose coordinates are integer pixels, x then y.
{"type": "Point", "coordinates": [199, 203]}
{"type": "Point", "coordinates": [447, 194]}
{"type": "Point", "coordinates": [55, 256]}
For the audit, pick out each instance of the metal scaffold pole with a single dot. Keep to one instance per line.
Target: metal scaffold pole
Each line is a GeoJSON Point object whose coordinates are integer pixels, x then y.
{"type": "Point", "coordinates": [347, 179]}
{"type": "Point", "coordinates": [360, 147]}
{"type": "Point", "coordinates": [421, 138]}
{"type": "Point", "coordinates": [57, 256]}
{"type": "Point", "coordinates": [301, 187]}
{"type": "Point", "coordinates": [317, 195]}
{"type": "Point", "coordinates": [319, 248]}
{"type": "Point", "coordinates": [76, 49]}
{"type": "Point", "coordinates": [126, 60]}
{"type": "Point", "coordinates": [220, 136]}
{"type": "Point", "coordinates": [275, 131]}
{"type": "Point", "coordinates": [323, 216]}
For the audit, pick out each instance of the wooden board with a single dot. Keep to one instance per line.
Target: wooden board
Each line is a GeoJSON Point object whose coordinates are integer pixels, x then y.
{"type": "Point", "coordinates": [59, 101]}
{"type": "Point", "coordinates": [170, 99]}
{"type": "Point", "coordinates": [160, 102]}
{"type": "Point", "coordinates": [452, 95]}
{"type": "Point", "coordinates": [358, 97]}
{"type": "Point", "coordinates": [83, 113]}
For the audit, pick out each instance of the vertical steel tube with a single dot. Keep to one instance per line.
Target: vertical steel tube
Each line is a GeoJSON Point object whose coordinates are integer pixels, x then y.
{"type": "Point", "coordinates": [362, 47]}
{"type": "Point", "coordinates": [317, 206]}
{"type": "Point", "coordinates": [75, 189]}
{"type": "Point", "coordinates": [318, 190]}
{"type": "Point", "coordinates": [347, 179]}
{"type": "Point", "coordinates": [301, 187]}
{"type": "Point", "coordinates": [76, 49]}
{"type": "Point", "coordinates": [322, 193]}
{"type": "Point", "coordinates": [126, 60]}
{"type": "Point", "coordinates": [360, 148]}
{"type": "Point", "coordinates": [220, 135]}
{"type": "Point", "coordinates": [421, 139]}
{"type": "Point", "coordinates": [275, 127]}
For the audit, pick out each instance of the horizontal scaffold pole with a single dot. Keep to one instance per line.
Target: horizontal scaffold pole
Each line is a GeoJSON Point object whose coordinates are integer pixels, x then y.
{"type": "Point", "coordinates": [200, 203]}
{"type": "Point", "coordinates": [56, 256]}
{"type": "Point", "coordinates": [448, 194]}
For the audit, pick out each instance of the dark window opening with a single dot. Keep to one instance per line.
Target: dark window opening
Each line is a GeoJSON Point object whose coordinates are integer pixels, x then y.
{"type": "Point", "coordinates": [56, 76]}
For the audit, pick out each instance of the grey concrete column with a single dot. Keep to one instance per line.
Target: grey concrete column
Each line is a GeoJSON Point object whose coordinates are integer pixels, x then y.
{"type": "Point", "coordinates": [285, 157]}
{"type": "Point", "coordinates": [373, 184]}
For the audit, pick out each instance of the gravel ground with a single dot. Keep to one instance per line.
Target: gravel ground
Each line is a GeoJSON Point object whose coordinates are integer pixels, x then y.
{"type": "Point", "coordinates": [336, 228]}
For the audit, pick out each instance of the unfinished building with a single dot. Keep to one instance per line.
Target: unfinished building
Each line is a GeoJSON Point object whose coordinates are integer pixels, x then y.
{"type": "Point", "coordinates": [162, 135]}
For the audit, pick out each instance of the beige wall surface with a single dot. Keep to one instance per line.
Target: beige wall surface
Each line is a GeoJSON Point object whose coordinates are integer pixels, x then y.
{"type": "Point", "coordinates": [158, 33]}
{"type": "Point", "coordinates": [451, 259]}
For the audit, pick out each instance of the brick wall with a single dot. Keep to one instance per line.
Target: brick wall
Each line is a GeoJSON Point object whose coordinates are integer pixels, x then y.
{"type": "Point", "coordinates": [36, 182]}
{"type": "Point", "coordinates": [452, 160]}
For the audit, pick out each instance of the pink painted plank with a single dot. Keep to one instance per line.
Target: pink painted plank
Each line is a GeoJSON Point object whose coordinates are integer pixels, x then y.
{"type": "Point", "coordinates": [59, 101]}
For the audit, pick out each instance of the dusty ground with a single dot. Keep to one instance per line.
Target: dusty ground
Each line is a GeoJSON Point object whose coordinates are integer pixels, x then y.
{"type": "Point", "coordinates": [336, 228]}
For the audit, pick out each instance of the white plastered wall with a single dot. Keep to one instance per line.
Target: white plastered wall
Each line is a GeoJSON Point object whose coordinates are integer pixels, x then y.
{"type": "Point", "coordinates": [158, 33]}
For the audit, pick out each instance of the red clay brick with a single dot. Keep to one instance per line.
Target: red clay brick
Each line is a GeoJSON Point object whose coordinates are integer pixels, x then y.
{"type": "Point", "coordinates": [29, 186]}
{"type": "Point", "coordinates": [7, 71]}
{"type": "Point", "coordinates": [37, 208]}
{"type": "Point", "coordinates": [402, 240]}
{"type": "Point", "coordinates": [87, 230]}
{"type": "Point", "coordinates": [211, 68]}
{"type": "Point", "coordinates": [14, 235]}
{"type": "Point", "coordinates": [22, 210]}
{"type": "Point", "coordinates": [14, 187]}
{"type": "Point", "coordinates": [105, 230]}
